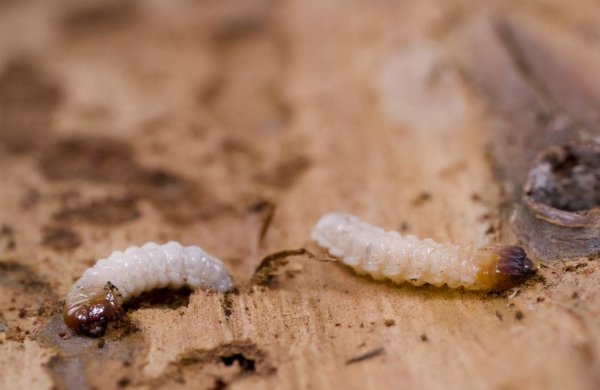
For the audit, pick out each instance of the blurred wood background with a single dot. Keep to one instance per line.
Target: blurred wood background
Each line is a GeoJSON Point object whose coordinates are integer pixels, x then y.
{"type": "Point", "coordinates": [234, 126]}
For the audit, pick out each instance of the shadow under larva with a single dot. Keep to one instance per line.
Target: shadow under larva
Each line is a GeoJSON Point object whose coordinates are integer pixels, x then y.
{"type": "Point", "coordinates": [97, 296]}
{"type": "Point", "coordinates": [389, 255]}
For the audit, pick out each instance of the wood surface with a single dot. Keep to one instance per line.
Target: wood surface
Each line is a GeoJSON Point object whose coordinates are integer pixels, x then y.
{"type": "Point", "coordinates": [234, 126]}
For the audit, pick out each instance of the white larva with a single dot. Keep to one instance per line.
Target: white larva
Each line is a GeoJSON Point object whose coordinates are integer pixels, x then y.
{"type": "Point", "coordinates": [388, 255]}
{"type": "Point", "coordinates": [96, 296]}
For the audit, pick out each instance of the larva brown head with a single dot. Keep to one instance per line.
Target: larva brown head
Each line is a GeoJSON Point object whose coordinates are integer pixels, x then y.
{"type": "Point", "coordinates": [513, 262]}
{"type": "Point", "coordinates": [502, 267]}
{"type": "Point", "coordinates": [513, 266]}
{"type": "Point", "coordinates": [91, 315]}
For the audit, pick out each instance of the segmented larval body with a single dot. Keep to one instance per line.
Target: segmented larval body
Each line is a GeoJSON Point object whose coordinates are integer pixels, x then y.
{"type": "Point", "coordinates": [372, 250]}
{"type": "Point", "coordinates": [96, 296]}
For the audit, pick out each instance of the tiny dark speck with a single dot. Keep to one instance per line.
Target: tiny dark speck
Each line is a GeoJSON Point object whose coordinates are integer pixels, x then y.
{"type": "Point", "coordinates": [499, 315]}
{"type": "Point", "coordinates": [423, 197]}
{"type": "Point", "coordinates": [404, 226]}
{"type": "Point", "coordinates": [575, 295]}
{"type": "Point", "coordinates": [519, 315]}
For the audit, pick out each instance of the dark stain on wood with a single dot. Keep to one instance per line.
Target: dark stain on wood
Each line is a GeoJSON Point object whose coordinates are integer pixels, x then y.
{"type": "Point", "coordinates": [98, 17]}
{"type": "Point", "coordinates": [107, 211]}
{"type": "Point", "coordinates": [111, 161]}
{"type": "Point", "coordinates": [60, 238]}
{"type": "Point", "coordinates": [28, 99]}
{"type": "Point", "coordinates": [234, 360]}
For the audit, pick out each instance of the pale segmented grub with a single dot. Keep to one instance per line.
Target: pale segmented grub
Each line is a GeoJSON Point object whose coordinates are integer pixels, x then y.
{"type": "Point", "coordinates": [96, 297]}
{"type": "Point", "coordinates": [389, 255]}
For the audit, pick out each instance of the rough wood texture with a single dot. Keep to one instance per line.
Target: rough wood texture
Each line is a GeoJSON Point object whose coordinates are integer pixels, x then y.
{"type": "Point", "coordinates": [235, 125]}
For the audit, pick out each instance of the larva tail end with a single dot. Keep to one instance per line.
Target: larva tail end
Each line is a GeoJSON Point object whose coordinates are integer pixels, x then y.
{"type": "Point", "coordinates": [92, 317]}
{"type": "Point", "coordinates": [513, 263]}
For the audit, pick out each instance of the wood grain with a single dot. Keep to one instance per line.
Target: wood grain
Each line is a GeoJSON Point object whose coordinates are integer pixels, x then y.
{"type": "Point", "coordinates": [122, 124]}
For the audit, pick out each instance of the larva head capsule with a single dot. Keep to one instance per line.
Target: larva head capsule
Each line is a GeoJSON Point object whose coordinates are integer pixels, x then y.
{"type": "Point", "coordinates": [89, 310]}
{"type": "Point", "coordinates": [502, 267]}
{"type": "Point", "coordinates": [513, 262]}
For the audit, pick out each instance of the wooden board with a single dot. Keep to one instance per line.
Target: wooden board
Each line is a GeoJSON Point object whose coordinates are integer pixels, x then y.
{"type": "Point", "coordinates": [235, 126]}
